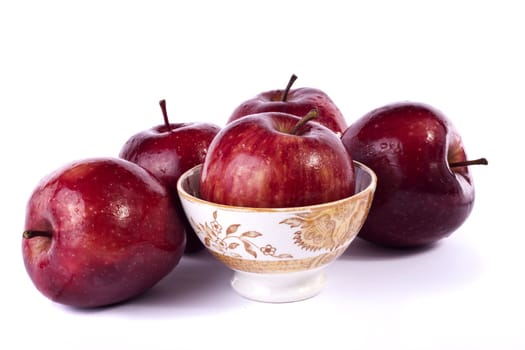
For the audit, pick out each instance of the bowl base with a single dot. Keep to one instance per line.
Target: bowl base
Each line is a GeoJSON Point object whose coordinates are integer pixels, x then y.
{"type": "Point", "coordinates": [279, 287]}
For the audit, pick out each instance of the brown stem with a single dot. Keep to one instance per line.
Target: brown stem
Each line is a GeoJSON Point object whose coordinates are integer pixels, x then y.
{"type": "Point", "coordinates": [35, 233]}
{"type": "Point", "coordinates": [164, 110]}
{"type": "Point", "coordinates": [293, 78]}
{"type": "Point", "coordinates": [311, 115]}
{"type": "Point", "coordinates": [480, 161]}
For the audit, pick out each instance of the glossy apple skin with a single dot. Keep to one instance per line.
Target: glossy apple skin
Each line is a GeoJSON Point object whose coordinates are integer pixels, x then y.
{"type": "Point", "coordinates": [299, 102]}
{"type": "Point", "coordinates": [168, 153]}
{"type": "Point", "coordinates": [255, 162]}
{"type": "Point", "coordinates": [112, 233]}
{"type": "Point", "coordinates": [419, 199]}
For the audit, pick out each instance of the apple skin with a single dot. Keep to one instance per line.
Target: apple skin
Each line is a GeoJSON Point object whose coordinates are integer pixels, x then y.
{"type": "Point", "coordinates": [298, 102]}
{"type": "Point", "coordinates": [167, 151]}
{"type": "Point", "coordinates": [256, 162]}
{"type": "Point", "coordinates": [419, 198]}
{"type": "Point", "coordinates": [106, 233]}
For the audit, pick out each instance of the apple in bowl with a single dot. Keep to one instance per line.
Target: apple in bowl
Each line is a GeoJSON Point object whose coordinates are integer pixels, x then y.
{"type": "Point", "coordinates": [276, 159]}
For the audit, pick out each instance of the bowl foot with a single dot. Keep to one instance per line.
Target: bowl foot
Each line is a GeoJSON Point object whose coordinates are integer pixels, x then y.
{"type": "Point", "coordinates": [279, 287]}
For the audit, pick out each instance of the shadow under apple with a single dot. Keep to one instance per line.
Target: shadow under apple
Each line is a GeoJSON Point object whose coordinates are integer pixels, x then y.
{"type": "Point", "coordinates": [198, 284]}
{"type": "Point", "coordinates": [383, 273]}
{"type": "Point", "coordinates": [198, 281]}
{"type": "Point", "coordinates": [360, 249]}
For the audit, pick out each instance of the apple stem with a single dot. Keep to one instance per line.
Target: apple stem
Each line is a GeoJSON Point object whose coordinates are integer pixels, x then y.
{"type": "Point", "coordinates": [162, 104]}
{"type": "Point", "coordinates": [34, 233]}
{"type": "Point", "coordinates": [311, 115]}
{"type": "Point", "coordinates": [480, 161]}
{"type": "Point", "coordinates": [293, 78]}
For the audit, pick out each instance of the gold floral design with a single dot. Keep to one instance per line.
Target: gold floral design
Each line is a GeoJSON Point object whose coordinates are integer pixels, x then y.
{"type": "Point", "coordinates": [230, 240]}
{"type": "Point", "coordinates": [279, 265]}
{"type": "Point", "coordinates": [328, 228]}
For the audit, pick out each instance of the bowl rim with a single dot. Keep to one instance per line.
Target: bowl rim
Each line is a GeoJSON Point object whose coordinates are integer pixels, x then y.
{"type": "Point", "coordinates": [183, 193]}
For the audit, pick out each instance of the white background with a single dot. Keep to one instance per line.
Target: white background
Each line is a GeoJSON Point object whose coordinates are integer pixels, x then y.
{"type": "Point", "coordinates": [78, 78]}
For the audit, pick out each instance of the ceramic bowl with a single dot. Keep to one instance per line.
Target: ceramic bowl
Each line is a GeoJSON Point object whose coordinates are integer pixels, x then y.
{"type": "Point", "coordinates": [278, 254]}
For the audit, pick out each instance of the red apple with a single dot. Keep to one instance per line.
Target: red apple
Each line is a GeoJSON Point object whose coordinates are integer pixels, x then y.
{"type": "Point", "coordinates": [99, 231]}
{"type": "Point", "coordinates": [167, 151]}
{"type": "Point", "coordinates": [276, 159]}
{"type": "Point", "coordinates": [425, 189]}
{"type": "Point", "coordinates": [295, 101]}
